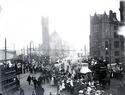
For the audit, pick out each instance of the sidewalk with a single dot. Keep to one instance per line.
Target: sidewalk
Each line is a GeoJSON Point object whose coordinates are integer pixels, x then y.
{"type": "Point", "coordinates": [48, 88]}
{"type": "Point", "coordinates": [28, 89]}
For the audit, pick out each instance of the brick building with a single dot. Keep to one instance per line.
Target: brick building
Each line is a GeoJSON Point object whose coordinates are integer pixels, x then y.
{"type": "Point", "coordinates": [104, 40]}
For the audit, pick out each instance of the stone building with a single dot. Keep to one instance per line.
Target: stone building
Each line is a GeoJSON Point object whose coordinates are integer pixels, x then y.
{"type": "Point", "coordinates": [104, 40]}
{"type": "Point", "coordinates": [58, 49]}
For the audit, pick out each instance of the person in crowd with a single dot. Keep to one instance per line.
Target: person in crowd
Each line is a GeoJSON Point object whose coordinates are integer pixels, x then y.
{"type": "Point", "coordinates": [52, 81]}
{"type": "Point", "coordinates": [17, 81]}
{"type": "Point", "coordinates": [47, 78]}
{"type": "Point", "coordinates": [29, 79]}
{"type": "Point", "coordinates": [50, 93]}
{"type": "Point", "coordinates": [35, 82]}
{"type": "Point", "coordinates": [33, 93]}
{"type": "Point", "coordinates": [44, 78]}
{"type": "Point", "coordinates": [26, 68]}
{"type": "Point", "coordinates": [21, 91]}
{"type": "Point", "coordinates": [40, 80]}
{"type": "Point", "coordinates": [39, 90]}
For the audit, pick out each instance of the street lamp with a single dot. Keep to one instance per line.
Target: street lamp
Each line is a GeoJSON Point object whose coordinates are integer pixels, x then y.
{"type": "Point", "coordinates": [30, 49]}
{"type": "Point", "coordinates": [106, 48]}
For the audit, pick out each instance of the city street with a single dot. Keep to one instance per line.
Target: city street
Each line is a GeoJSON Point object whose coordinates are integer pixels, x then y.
{"type": "Point", "coordinates": [62, 48]}
{"type": "Point", "coordinates": [29, 89]}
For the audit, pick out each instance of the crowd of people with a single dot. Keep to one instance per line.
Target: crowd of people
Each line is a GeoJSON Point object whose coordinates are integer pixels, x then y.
{"type": "Point", "coordinates": [72, 80]}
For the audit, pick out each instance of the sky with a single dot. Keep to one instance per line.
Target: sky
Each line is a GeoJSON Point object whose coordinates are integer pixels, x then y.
{"type": "Point", "coordinates": [20, 20]}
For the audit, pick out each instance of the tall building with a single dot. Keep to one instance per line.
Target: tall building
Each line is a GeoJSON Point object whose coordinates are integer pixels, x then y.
{"type": "Point", "coordinates": [45, 36]}
{"type": "Point", "coordinates": [104, 40]}
{"type": "Point", "coordinates": [122, 11]}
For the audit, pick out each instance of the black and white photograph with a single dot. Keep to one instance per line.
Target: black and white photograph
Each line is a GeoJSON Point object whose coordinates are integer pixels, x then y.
{"type": "Point", "coordinates": [62, 47]}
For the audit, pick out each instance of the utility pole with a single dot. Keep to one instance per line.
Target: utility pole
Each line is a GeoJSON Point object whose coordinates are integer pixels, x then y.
{"type": "Point", "coordinates": [27, 51]}
{"type": "Point", "coordinates": [85, 51]}
{"type": "Point", "coordinates": [24, 51]}
{"type": "Point", "coordinates": [5, 51]}
{"type": "Point", "coordinates": [30, 52]}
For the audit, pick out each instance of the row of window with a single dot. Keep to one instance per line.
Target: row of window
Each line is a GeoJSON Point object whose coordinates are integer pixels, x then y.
{"type": "Point", "coordinates": [116, 53]}
{"type": "Point", "coordinates": [116, 44]}
{"type": "Point", "coordinates": [116, 59]}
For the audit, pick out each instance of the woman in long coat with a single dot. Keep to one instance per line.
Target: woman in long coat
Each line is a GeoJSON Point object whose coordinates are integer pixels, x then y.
{"type": "Point", "coordinates": [52, 81]}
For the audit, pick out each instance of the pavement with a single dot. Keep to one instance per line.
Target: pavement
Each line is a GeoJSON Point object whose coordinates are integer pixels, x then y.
{"type": "Point", "coordinates": [28, 89]}
{"type": "Point", "coordinates": [116, 84]}
{"type": "Point", "coordinates": [48, 88]}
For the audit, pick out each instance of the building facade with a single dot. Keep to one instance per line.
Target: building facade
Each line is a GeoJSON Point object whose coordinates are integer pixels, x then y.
{"type": "Point", "coordinates": [9, 55]}
{"type": "Point", "coordinates": [58, 49]}
{"type": "Point", "coordinates": [104, 40]}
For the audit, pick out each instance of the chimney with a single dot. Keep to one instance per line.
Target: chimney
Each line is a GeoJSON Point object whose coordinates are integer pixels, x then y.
{"type": "Point", "coordinates": [110, 15]}
{"type": "Point", "coordinates": [114, 15]}
{"type": "Point", "coordinates": [122, 9]}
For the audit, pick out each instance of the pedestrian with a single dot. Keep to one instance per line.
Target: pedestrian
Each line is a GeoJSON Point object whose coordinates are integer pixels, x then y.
{"type": "Point", "coordinates": [52, 81]}
{"type": "Point", "coordinates": [33, 93]}
{"type": "Point", "coordinates": [24, 70]}
{"type": "Point", "coordinates": [35, 82]}
{"type": "Point", "coordinates": [21, 91]}
{"type": "Point", "coordinates": [29, 79]}
{"type": "Point", "coordinates": [42, 91]}
{"type": "Point", "coordinates": [50, 93]}
{"type": "Point", "coordinates": [39, 90]}
{"type": "Point", "coordinates": [44, 78]}
{"type": "Point", "coordinates": [40, 80]}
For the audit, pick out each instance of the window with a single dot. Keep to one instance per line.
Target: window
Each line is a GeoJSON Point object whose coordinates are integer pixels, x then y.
{"type": "Point", "coordinates": [116, 44]}
{"type": "Point", "coordinates": [117, 60]}
{"type": "Point", "coordinates": [115, 35]}
{"type": "Point", "coordinates": [106, 52]}
{"type": "Point", "coordinates": [115, 27]}
{"type": "Point", "coordinates": [107, 58]}
{"type": "Point", "coordinates": [116, 53]}
{"type": "Point", "coordinates": [106, 44]}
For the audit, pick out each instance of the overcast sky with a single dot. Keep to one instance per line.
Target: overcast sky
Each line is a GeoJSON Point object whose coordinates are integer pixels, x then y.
{"type": "Point", "coordinates": [20, 20]}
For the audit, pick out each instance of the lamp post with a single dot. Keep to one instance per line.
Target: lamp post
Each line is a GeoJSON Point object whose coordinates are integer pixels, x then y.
{"type": "Point", "coordinates": [30, 50]}
{"type": "Point", "coordinates": [5, 50]}
{"type": "Point", "coordinates": [110, 51]}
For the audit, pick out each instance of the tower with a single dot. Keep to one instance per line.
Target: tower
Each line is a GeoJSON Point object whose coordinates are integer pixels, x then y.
{"type": "Point", "coordinates": [45, 36]}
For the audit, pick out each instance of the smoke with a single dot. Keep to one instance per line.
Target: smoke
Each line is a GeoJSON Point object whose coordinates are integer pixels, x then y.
{"type": "Point", "coordinates": [122, 31]}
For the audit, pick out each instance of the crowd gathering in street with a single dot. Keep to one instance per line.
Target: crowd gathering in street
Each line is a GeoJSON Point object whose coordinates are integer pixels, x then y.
{"type": "Point", "coordinates": [70, 78]}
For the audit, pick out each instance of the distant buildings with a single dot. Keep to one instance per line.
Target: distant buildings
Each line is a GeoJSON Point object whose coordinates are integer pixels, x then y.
{"type": "Point", "coordinates": [104, 39]}
{"type": "Point", "coordinates": [58, 50]}
{"type": "Point", "coordinates": [52, 47]}
{"type": "Point", "coordinates": [56, 46]}
{"type": "Point", "coordinates": [9, 55]}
